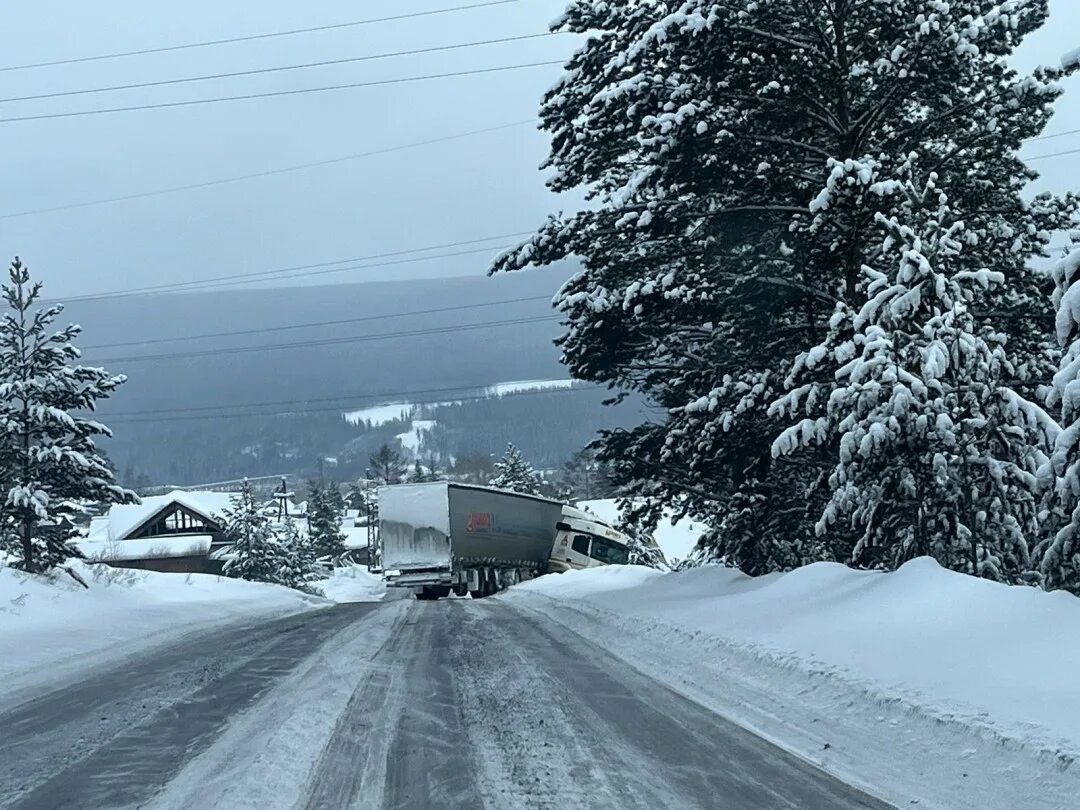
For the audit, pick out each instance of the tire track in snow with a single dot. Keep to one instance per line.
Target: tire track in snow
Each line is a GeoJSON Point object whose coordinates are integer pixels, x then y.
{"type": "Point", "coordinates": [400, 742]}
{"type": "Point", "coordinates": [641, 727]}
{"type": "Point", "coordinates": [48, 733]}
{"type": "Point", "coordinates": [134, 765]}
{"type": "Point", "coordinates": [538, 747]}
{"type": "Point", "coordinates": [270, 755]}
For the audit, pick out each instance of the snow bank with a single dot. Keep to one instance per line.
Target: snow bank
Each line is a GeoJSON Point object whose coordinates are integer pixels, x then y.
{"type": "Point", "coordinates": [676, 541]}
{"type": "Point", "coordinates": [353, 584]}
{"type": "Point", "coordinates": [589, 581]}
{"type": "Point", "coordinates": [51, 629]}
{"type": "Point", "coordinates": [997, 657]}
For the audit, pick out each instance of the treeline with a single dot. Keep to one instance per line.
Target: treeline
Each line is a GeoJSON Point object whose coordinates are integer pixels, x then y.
{"type": "Point", "coordinates": [549, 428]}
{"type": "Point", "coordinates": [811, 248]}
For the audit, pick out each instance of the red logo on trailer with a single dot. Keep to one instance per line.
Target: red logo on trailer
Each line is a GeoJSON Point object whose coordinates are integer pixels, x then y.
{"type": "Point", "coordinates": [480, 522]}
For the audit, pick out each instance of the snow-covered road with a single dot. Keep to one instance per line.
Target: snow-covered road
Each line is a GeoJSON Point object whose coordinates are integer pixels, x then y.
{"type": "Point", "coordinates": [397, 705]}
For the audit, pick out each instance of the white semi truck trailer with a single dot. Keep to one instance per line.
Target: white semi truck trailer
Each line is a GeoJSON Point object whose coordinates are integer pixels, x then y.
{"type": "Point", "coordinates": [442, 538]}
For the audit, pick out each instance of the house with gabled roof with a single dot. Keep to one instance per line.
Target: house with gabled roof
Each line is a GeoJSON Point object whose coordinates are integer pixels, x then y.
{"type": "Point", "coordinates": [178, 532]}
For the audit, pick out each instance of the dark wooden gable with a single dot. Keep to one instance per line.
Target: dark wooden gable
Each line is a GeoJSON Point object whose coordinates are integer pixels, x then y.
{"type": "Point", "coordinates": [175, 519]}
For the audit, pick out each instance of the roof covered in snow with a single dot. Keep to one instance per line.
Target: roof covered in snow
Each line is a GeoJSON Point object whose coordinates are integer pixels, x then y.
{"type": "Point", "coordinates": [123, 519]}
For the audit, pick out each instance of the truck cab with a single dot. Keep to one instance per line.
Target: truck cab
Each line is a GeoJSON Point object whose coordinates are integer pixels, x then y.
{"type": "Point", "coordinates": [585, 541]}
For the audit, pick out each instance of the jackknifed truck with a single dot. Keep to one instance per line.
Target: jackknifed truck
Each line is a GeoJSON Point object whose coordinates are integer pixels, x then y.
{"type": "Point", "coordinates": [441, 538]}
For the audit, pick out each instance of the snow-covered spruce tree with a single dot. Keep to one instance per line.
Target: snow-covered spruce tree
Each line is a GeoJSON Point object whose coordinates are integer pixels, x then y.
{"type": "Point", "coordinates": [937, 454]}
{"type": "Point", "coordinates": [729, 149]}
{"type": "Point", "coordinates": [49, 463]}
{"type": "Point", "coordinates": [515, 473]}
{"type": "Point", "coordinates": [299, 560]}
{"type": "Point", "coordinates": [1059, 553]}
{"type": "Point", "coordinates": [325, 508]}
{"type": "Point", "coordinates": [255, 553]}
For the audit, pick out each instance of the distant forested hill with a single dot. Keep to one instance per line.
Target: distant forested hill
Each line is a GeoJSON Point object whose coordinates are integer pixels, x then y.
{"type": "Point", "coordinates": [198, 409]}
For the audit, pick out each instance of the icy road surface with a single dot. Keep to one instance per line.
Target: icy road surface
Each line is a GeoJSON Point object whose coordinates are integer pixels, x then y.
{"type": "Point", "coordinates": [394, 705]}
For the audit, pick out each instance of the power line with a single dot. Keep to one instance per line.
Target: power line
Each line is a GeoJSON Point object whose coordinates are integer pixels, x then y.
{"type": "Point", "coordinates": [1054, 155]}
{"type": "Point", "coordinates": [145, 358]}
{"type": "Point", "coordinates": [273, 275]}
{"type": "Point", "coordinates": [381, 396]}
{"type": "Point", "coordinates": [311, 325]}
{"type": "Point", "coordinates": [253, 37]}
{"type": "Point", "coordinates": [278, 69]}
{"type": "Point", "coordinates": [457, 399]}
{"type": "Point", "coordinates": [183, 286]}
{"type": "Point", "coordinates": [268, 172]}
{"type": "Point", "coordinates": [278, 93]}
{"type": "Point", "coordinates": [1052, 136]}
{"type": "Point", "coordinates": [475, 397]}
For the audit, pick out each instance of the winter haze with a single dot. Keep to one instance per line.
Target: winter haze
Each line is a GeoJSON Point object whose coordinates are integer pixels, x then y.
{"type": "Point", "coordinates": [476, 187]}
{"type": "Point", "coordinates": [730, 460]}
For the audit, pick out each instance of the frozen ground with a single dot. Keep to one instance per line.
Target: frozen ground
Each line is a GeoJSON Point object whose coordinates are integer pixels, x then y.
{"type": "Point", "coordinates": [617, 687]}
{"type": "Point", "coordinates": [52, 630]}
{"type": "Point", "coordinates": [936, 688]}
{"type": "Point", "coordinates": [402, 704]}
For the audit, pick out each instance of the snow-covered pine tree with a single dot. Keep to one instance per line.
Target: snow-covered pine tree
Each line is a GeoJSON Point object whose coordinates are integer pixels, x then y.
{"type": "Point", "coordinates": [1059, 552]}
{"type": "Point", "coordinates": [937, 454]}
{"type": "Point", "coordinates": [514, 473]}
{"type": "Point", "coordinates": [325, 509]}
{"type": "Point", "coordinates": [255, 552]}
{"type": "Point", "coordinates": [730, 150]}
{"type": "Point", "coordinates": [49, 462]}
{"type": "Point", "coordinates": [299, 562]}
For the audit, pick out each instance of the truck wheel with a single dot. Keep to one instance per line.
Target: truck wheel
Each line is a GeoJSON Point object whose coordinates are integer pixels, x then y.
{"type": "Point", "coordinates": [461, 590]}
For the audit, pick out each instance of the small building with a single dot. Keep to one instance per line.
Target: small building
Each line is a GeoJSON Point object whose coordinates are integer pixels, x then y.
{"type": "Point", "coordinates": [179, 532]}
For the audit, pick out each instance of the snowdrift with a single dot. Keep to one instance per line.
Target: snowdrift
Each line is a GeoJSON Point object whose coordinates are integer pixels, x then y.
{"type": "Point", "coordinates": [52, 628]}
{"type": "Point", "coordinates": [353, 584]}
{"type": "Point", "coordinates": [998, 657]}
{"type": "Point", "coordinates": [590, 581]}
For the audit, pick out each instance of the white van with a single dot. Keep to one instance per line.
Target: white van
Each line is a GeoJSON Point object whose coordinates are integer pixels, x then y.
{"type": "Point", "coordinates": [585, 541]}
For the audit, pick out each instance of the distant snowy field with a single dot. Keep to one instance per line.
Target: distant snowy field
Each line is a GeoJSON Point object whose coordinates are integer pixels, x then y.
{"type": "Point", "coordinates": [391, 411]}
{"type": "Point", "coordinates": [676, 541]}
{"type": "Point", "coordinates": [51, 630]}
{"type": "Point", "coordinates": [865, 673]}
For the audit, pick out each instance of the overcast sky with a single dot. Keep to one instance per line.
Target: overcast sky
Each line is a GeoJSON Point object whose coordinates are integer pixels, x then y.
{"type": "Point", "coordinates": [450, 192]}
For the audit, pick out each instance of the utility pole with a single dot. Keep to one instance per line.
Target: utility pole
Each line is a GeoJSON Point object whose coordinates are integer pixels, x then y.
{"type": "Point", "coordinates": [283, 496]}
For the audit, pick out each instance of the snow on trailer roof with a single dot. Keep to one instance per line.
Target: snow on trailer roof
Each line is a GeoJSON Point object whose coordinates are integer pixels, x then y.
{"type": "Point", "coordinates": [125, 518]}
